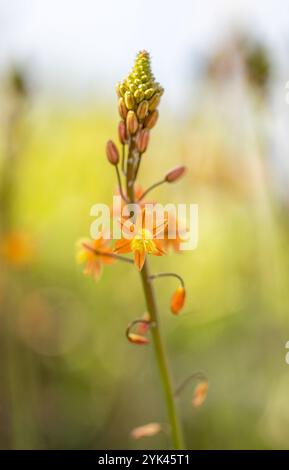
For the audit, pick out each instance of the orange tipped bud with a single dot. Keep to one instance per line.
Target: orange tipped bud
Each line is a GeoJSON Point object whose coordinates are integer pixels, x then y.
{"type": "Point", "coordinates": [178, 300]}
{"type": "Point", "coordinates": [137, 339]}
{"type": "Point", "coordinates": [142, 109]}
{"type": "Point", "coordinates": [154, 102]}
{"type": "Point", "coordinates": [122, 135]}
{"type": "Point", "coordinates": [200, 394]}
{"type": "Point", "coordinates": [131, 123]}
{"type": "Point", "coordinates": [151, 119]}
{"type": "Point", "coordinates": [142, 140]}
{"type": "Point", "coordinates": [148, 430]}
{"type": "Point", "coordinates": [175, 174]}
{"type": "Point", "coordinates": [112, 153]}
{"type": "Point", "coordinates": [122, 108]}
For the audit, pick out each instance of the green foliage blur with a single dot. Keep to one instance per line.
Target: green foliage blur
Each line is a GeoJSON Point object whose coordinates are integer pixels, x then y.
{"type": "Point", "coordinates": [68, 377]}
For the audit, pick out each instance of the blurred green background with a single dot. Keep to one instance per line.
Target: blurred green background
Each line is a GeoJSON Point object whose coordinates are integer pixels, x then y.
{"type": "Point", "coordinates": [68, 377]}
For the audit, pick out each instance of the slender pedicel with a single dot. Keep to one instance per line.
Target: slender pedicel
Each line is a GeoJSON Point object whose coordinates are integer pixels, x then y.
{"type": "Point", "coordinates": [108, 255]}
{"type": "Point", "coordinates": [120, 185]}
{"type": "Point", "coordinates": [159, 275]}
{"type": "Point", "coordinates": [199, 376]}
{"type": "Point", "coordinates": [153, 186]}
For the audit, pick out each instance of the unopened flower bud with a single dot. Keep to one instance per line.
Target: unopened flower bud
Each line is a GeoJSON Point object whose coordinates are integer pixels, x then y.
{"type": "Point", "coordinates": [154, 102]}
{"type": "Point", "coordinates": [117, 89]}
{"type": "Point", "coordinates": [178, 300]}
{"type": "Point", "coordinates": [200, 394]}
{"type": "Point", "coordinates": [122, 108]}
{"type": "Point", "coordinates": [175, 174]}
{"type": "Point", "coordinates": [122, 135]}
{"type": "Point", "coordinates": [131, 123]}
{"type": "Point", "coordinates": [151, 119]}
{"type": "Point", "coordinates": [142, 109]}
{"type": "Point", "coordinates": [129, 100]}
{"type": "Point", "coordinates": [142, 140]}
{"type": "Point", "coordinates": [122, 89]}
{"type": "Point", "coordinates": [112, 153]}
{"type": "Point", "coordinates": [137, 339]}
{"type": "Point", "coordinates": [149, 93]}
{"type": "Point", "coordinates": [139, 95]}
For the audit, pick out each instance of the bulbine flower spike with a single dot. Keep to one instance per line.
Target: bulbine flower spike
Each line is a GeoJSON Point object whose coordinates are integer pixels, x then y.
{"type": "Point", "coordinates": [147, 430]}
{"type": "Point", "coordinates": [178, 300]}
{"type": "Point", "coordinates": [143, 231]}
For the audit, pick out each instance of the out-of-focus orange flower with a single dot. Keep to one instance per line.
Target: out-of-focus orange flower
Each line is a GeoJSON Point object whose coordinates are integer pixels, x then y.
{"type": "Point", "coordinates": [178, 300]}
{"type": "Point", "coordinates": [148, 430]}
{"type": "Point", "coordinates": [173, 240]}
{"type": "Point", "coordinates": [94, 253]}
{"type": "Point", "coordinates": [143, 242]}
{"type": "Point", "coordinates": [200, 394]}
{"type": "Point", "coordinates": [17, 248]}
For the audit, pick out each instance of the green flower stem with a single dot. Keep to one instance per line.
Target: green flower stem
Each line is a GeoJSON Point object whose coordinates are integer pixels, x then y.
{"type": "Point", "coordinates": [160, 351]}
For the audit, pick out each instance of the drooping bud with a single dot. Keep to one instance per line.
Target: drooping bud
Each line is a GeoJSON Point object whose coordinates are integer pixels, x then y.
{"type": "Point", "coordinates": [144, 325]}
{"type": "Point", "coordinates": [154, 102]}
{"type": "Point", "coordinates": [122, 135]}
{"type": "Point", "coordinates": [148, 430]}
{"type": "Point", "coordinates": [131, 123]}
{"type": "Point", "coordinates": [129, 100]}
{"type": "Point", "coordinates": [142, 140]}
{"type": "Point", "coordinates": [178, 300]}
{"type": "Point", "coordinates": [142, 109]}
{"type": "Point", "coordinates": [137, 339]}
{"type": "Point", "coordinates": [122, 108]}
{"type": "Point", "coordinates": [175, 174]}
{"type": "Point", "coordinates": [112, 153]}
{"type": "Point", "coordinates": [200, 394]}
{"type": "Point", "coordinates": [151, 120]}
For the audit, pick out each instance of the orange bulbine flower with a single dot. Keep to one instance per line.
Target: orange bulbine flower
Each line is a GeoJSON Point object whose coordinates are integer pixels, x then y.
{"type": "Point", "coordinates": [178, 235]}
{"type": "Point", "coordinates": [143, 242]}
{"type": "Point", "coordinates": [94, 253]}
{"type": "Point", "coordinates": [17, 248]}
{"type": "Point", "coordinates": [200, 394]}
{"type": "Point", "coordinates": [178, 300]}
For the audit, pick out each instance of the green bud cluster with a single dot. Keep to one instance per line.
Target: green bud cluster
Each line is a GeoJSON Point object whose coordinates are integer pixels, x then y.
{"type": "Point", "coordinates": [140, 86]}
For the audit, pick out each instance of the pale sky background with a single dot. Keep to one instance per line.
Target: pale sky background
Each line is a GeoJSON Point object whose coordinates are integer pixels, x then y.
{"type": "Point", "coordinates": [82, 46]}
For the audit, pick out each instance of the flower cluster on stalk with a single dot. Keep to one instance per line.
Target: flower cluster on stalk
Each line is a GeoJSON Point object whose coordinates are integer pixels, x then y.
{"type": "Point", "coordinates": [139, 97]}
